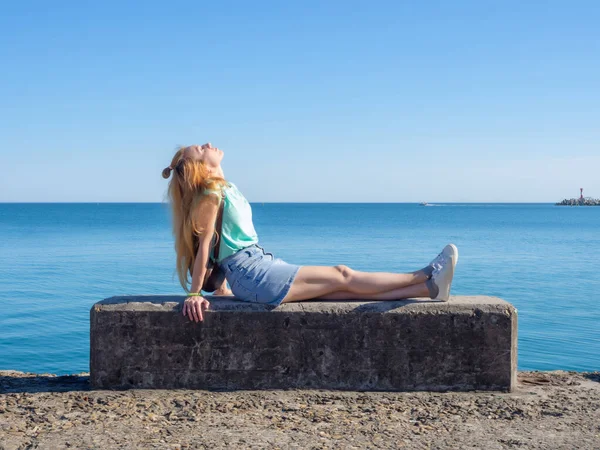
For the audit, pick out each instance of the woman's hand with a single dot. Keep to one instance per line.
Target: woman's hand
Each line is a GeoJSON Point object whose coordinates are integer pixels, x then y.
{"type": "Point", "coordinates": [194, 306]}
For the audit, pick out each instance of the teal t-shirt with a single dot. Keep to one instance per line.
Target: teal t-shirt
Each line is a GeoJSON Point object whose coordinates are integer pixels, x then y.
{"type": "Point", "coordinates": [238, 230]}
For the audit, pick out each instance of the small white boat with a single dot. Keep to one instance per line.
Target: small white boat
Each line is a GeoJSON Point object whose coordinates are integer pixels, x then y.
{"type": "Point", "coordinates": [423, 204]}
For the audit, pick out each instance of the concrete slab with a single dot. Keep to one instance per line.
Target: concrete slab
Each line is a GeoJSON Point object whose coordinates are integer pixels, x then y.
{"type": "Point", "coordinates": [468, 343]}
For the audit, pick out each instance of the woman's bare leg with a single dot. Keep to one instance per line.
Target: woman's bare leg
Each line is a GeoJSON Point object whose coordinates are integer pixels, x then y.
{"type": "Point", "coordinates": [415, 291]}
{"type": "Point", "coordinates": [317, 281]}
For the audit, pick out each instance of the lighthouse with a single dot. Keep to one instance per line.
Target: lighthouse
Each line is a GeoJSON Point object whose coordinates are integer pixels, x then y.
{"type": "Point", "coordinates": [581, 190]}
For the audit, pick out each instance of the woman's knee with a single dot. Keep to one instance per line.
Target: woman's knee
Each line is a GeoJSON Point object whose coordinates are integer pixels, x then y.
{"type": "Point", "coordinates": [345, 273]}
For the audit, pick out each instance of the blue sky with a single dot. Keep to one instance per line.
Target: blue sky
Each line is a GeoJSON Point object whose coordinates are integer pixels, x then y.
{"type": "Point", "coordinates": [316, 101]}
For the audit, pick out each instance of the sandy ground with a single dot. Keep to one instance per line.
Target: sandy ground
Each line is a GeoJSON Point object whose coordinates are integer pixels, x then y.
{"type": "Point", "coordinates": [550, 410]}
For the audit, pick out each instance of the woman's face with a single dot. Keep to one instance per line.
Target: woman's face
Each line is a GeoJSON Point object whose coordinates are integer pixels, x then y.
{"type": "Point", "coordinates": [209, 155]}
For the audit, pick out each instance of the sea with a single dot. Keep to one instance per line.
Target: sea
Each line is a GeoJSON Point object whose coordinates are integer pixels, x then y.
{"type": "Point", "coordinates": [58, 259]}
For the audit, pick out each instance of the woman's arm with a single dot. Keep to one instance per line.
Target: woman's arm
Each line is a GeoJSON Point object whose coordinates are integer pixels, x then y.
{"type": "Point", "coordinates": [199, 269]}
{"type": "Point", "coordinates": [203, 217]}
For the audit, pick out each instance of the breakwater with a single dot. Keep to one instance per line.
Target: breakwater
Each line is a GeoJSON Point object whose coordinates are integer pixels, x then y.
{"type": "Point", "coordinates": [579, 202]}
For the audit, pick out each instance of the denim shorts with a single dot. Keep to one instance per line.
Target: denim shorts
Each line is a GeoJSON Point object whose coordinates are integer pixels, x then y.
{"type": "Point", "coordinates": [257, 276]}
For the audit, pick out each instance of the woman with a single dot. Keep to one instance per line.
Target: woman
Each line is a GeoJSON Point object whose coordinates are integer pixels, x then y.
{"type": "Point", "coordinates": [196, 190]}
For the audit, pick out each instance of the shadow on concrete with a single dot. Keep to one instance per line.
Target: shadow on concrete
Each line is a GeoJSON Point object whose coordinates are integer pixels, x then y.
{"type": "Point", "coordinates": [374, 305]}
{"type": "Point", "coordinates": [387, 305]}
{"type": "Point", "coordinates": [23, 383]}
{"type": "Point", "coordinates": [592, 376]}
{"type": "Point", "coordinates": [227, 302]}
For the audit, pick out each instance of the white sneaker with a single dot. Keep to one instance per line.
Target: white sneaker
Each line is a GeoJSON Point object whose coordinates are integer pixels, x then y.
{"type": "Point", "coordinates": [443, 271]}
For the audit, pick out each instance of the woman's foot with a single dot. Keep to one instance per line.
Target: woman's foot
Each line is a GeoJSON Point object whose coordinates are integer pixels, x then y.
{"type": "Point", "coordinates": [223, 291]}
{"type": "Point", "coordinates": [442, 273]}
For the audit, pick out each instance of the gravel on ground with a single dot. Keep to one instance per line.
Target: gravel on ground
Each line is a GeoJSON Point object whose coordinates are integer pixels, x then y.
{"type": "Point", "coordinates": [548, 410]}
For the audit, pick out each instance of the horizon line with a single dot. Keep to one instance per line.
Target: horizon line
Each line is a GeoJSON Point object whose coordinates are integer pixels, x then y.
{"type": "Point", "coordinates": [297, 202]}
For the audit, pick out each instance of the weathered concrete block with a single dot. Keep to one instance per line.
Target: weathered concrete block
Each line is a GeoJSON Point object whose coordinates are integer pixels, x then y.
{"type": "Point", "coordinates": [469, 343]}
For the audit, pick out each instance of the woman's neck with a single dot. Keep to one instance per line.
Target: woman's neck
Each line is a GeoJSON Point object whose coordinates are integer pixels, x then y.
{"type": "Point", "coordinates": [217, 173]}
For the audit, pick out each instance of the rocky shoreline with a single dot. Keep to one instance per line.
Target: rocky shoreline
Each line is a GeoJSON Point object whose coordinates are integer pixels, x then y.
{"type": "Point", "coordinates": [548, 410]}
{"type": "Point", "coordinates": [579, 202]}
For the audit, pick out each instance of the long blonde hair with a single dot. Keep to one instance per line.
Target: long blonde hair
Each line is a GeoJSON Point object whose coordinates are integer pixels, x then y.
{"type": "Point", "coordinates": [185, 193]}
